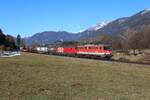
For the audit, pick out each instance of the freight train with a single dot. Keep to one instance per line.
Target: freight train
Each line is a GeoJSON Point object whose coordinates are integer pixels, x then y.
{"type": "Point", "coordinates": [88, 51]}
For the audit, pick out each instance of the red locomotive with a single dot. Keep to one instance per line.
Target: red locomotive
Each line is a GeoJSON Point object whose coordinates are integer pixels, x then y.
{"type": "Point", "coordinates": [90, 51]}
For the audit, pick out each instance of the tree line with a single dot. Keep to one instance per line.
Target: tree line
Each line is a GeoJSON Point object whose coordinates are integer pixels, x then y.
{"type": "Point", "coordinates": [9, 43]}
{"type": "Point", "coordinates": [132, 39]}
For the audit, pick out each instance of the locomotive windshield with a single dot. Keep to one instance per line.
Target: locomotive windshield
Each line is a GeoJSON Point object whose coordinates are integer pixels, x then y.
{"type": "Point", "coordinates": [107, 48]}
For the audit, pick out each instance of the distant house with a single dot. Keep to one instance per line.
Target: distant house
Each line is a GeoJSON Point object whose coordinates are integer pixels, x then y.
{"type": "Point", "coordinates": [42, 49]}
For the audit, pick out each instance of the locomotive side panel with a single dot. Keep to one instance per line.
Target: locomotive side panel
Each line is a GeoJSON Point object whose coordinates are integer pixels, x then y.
{"type": "Point", "coordinates": [94, 50]}
{"type": "Point", "coordinates": [70, 50]}
{"type": "Point", "coordinates": [91, 50]}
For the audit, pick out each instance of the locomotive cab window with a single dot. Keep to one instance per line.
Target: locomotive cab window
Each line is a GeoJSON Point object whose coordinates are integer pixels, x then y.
{"type": "Point", "coordinates": [90, 48]}
{"type": "Point", "coordinates": [100, 48]}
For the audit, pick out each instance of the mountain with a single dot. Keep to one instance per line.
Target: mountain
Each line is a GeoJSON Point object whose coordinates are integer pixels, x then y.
{"type": "Point", "coordinates": [121, 25]}
{"type": "Point", "coordinates": [53, 36]}
{"type": "Point", "coordinates": [114, 28]}
{"type": "Point", "coordinates": [126, 33]}
{"type": "Point", "coordinates": [134, 22]}
{"type": "Point", "coordinates": [50, 36]}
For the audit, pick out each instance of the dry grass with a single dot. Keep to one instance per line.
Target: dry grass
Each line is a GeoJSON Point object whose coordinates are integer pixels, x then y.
{"type": "Point", "coordinates": [133, 58]}
{"type": "Point", "coordinates": [39, 77]}
{"type": "Point", "coordinates": [127, 57]}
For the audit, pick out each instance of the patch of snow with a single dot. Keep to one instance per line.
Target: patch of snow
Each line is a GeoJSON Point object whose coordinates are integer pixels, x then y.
{"type": "Point", "coordinates": [79, 31]}
{"type": "Point", "coordinates": [122, 20]}
{"type": "Point", "coordinates": [98, 26]}
{"type": "Point", "coordinates": [145, 11]}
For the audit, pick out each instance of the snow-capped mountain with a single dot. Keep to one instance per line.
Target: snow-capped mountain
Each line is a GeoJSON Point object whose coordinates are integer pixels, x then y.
{"type": "Point", "coordinates": [98, 26]}
{"type": "Point", "coordinates": [136, 22]}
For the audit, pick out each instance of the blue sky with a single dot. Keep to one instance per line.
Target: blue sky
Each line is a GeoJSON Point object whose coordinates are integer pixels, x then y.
{"type": "Point", "coordinates": [27, 17]}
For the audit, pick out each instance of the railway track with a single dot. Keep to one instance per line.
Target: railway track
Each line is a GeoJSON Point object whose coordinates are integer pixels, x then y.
{"type": "Point", "coordinates": [147, 62]}
{"type": "Point", "coordinates": [144, 61]}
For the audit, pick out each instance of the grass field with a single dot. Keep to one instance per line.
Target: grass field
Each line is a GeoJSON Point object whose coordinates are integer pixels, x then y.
{"type": "Point", "coordinates": [40, 77]}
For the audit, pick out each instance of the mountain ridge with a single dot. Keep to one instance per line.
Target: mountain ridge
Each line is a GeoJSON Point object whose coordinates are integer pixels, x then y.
{"type": "Point", "coordinates": [113, 28]}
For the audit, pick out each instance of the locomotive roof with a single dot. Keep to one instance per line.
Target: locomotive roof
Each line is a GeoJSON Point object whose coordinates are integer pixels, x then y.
{"type": "Point", "coordinates": [93, 45]}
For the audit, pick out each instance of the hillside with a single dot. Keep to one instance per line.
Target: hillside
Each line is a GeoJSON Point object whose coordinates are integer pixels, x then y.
{"type": "Point", "coordinates": [60, 78]}
{"type": "Point", "coordinates": [51, 36]}
{"type": "Point", "coordinates": [121, 25]}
